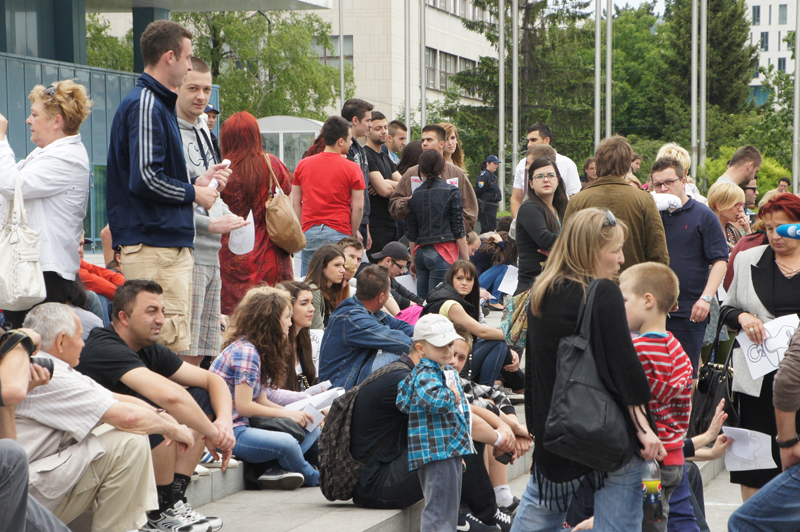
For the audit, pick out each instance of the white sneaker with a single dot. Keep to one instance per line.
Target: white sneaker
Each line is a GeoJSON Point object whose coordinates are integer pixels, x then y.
{"type": "Point", "coordinates": [185, 510]}
{"type": "Point", "coordinates": [172, 520]}
{"type": "Point", "coordinates": [201, 471]}
{"type": "Point", "coordinates": [208, 461]}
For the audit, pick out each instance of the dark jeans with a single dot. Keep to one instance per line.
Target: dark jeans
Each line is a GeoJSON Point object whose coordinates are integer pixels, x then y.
{"type": "Point", "coordinates": [683, 517]}
{"type": "Point", "coordinates": [690, 335]}
{"type": "Point", "coordinates": [487, 216]}
{"type": "Point", "coordinates": [397, 487]}
{"type": "Point", "coordinates": [57, 291]}
{"type": "Point", "coordinates": [431, 269]}
{"type": "Point", "coordinates": [21, 512]}
{"type": "Point", "coordinates": [488, 358]}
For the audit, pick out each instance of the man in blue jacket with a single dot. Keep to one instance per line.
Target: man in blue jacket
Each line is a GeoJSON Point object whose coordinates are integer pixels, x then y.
{"type": "Point", "coordinates": [360, 337]}
{"type": "Point", "coordinates": [149, 195]}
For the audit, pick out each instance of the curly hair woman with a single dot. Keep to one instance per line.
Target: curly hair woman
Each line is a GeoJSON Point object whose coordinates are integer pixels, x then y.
{"type": "Point", "coordinates": [252, 362]}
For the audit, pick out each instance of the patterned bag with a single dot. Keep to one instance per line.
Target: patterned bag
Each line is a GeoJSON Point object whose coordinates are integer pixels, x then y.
{"type": "Point", "coordinates": [515, 320]}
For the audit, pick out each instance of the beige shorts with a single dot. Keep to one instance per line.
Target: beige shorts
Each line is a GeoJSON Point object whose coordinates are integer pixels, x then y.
{"type": "Point", "coordinates": [172, 269]}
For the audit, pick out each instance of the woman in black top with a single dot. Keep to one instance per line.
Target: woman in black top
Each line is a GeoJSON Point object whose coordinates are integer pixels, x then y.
{"type": "Point", "coordinates": [590, 247]}
{"type": "Point", "coordinates": [301, 371]}
{"type": "Point", "coordinates": [539, 219]}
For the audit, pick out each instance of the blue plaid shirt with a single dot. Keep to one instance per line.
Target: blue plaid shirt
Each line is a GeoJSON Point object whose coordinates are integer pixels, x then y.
{"type": "Point", "coordinates": [437, 428]}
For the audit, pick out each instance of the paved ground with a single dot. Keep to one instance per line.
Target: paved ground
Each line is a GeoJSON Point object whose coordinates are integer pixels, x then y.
{"type": "Point", "coordinates": [722, 499]}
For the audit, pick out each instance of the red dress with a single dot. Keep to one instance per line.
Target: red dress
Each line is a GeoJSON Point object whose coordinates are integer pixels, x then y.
{"type": "Point", "coordinates": [267, 263]}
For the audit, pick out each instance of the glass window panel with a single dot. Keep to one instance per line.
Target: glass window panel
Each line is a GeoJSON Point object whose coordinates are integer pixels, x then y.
{"type": "Point", "coordinates": [756, 15]}
{"type": "Point", "coordinates": [782, 13]}
{"type": "Point", "coordinates": [765, 41]}
{"type": "Point", "coordinates": [782, 64]}
{"type": "Point", "coordinates": [294, 146]}
{"type": "Point", "coordinates": [271, 143]}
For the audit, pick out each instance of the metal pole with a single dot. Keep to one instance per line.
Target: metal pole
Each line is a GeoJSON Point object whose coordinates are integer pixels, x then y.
{"type": "Point", "coordinates": [514, 92]}
{"type": "Point", "coordinates": [703, 77]}
{"type": "Point", "coordinates": [407, 54]}
{"type": "Point", "coordinates": [341, 54]}
{"type": "Point", "coordinates": [423, 72]}
{"type": "Point", "coordinates": [609, 64]}
{"type": "Point", "coordinates": [501, 89]}
{"type": "Point", "coordinates": [796, 127]}
{"type": "Point", "coordinates": [694, 88]}
{"type": "Point", "coordinates": [598, 44]}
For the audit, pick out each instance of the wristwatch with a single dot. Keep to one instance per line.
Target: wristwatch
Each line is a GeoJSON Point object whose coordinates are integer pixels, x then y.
{"type": "Point", "coordinates": [707, 299]}
{"type": "Point", "coordinates": [788, 443]}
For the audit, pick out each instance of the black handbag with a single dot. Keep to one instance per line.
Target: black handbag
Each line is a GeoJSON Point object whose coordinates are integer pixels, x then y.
{"type": "Point", "coordinates": [585, 424]}
{"type": "Point", "coordinates": [714, 384]}
{"type": "Point", "coordinates": [279, 424]}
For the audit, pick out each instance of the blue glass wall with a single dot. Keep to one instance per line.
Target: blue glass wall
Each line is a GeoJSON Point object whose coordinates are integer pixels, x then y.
{"type": "Point", "coordinates": [19, 74]}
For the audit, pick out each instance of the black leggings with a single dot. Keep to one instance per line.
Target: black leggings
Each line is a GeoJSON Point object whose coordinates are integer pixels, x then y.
{"type": "Point", "coordinates": [57, 292]}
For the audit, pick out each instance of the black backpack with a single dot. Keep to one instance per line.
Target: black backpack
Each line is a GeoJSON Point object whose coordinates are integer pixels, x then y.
{"type": "Point", "coordinates": [338, 470]}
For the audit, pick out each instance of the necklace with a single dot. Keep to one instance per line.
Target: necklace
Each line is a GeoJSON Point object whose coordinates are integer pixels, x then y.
{"type": "Point", "coordinates": [786, 270]}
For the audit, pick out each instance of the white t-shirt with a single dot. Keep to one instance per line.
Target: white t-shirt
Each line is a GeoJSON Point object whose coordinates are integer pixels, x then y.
{"type": "Point", "coordinates": [566, 167]}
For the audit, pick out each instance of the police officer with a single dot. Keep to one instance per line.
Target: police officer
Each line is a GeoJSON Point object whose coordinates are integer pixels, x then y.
{"type": "Point", "coordinates": [488, 193]}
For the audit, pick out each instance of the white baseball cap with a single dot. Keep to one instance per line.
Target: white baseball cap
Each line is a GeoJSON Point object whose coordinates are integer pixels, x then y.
{"type": "Point", "coordinates": [436, 330]}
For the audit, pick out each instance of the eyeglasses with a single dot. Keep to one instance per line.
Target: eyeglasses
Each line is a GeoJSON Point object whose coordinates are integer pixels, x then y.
{"type": "Point", "coordinates": [754, 189]}
{"type": "Point", "coordinates": [610, 220]}
{"type": "Point", "coordinates": [667, 183]}
{"type": "Point", "coordinates": [541, 177]}
{"type": "Point", "coordinates": [401, 266]}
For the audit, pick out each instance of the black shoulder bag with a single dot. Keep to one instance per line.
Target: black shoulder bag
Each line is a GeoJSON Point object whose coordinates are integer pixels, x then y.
{"type": "Point", "coordinates": [585, 424]}
{"type": "Point", "coordinates": [714, 384]}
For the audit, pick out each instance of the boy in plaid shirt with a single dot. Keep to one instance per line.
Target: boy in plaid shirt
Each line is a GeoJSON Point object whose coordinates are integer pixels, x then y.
{"type": "Point", "coordinates": [438, 422]}
{"type": "Point", "coordinates": [650, 291]}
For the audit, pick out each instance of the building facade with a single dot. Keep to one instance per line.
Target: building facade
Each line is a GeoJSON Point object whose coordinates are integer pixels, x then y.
{"type": "Point", "coordinates": [770, 22]}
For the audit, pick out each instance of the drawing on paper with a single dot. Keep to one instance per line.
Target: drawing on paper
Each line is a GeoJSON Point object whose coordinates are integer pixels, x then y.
{"type": "Point", "coordinates": [772, 347]}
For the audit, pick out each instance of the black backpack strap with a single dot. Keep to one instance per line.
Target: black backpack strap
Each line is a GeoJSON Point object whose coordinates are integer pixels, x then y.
{"type": "Point", "coordinates": [723, 315]}
{"type": "Point", "coordinates": [585, 311]}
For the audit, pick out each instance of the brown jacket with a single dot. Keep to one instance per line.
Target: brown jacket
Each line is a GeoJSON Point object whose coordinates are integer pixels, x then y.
{"type": "Point", "coordinates": [398, 202]}
{"type": "Point", "coordinates": [646, 240]}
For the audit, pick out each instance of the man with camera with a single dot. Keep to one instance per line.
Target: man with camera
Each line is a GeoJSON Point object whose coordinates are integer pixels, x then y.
{"type": "Point", "coordinates": [18, 375]}
{"type": "Point", "coordinates": [74, 464]}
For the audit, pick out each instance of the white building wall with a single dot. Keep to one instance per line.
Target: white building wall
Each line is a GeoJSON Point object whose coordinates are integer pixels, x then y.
{"type": "Point", "coordinates": [769, 23]}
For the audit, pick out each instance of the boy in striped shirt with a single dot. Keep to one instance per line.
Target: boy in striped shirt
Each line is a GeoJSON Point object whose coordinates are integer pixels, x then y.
{"type": "Point", "coordinates": [650, 291]}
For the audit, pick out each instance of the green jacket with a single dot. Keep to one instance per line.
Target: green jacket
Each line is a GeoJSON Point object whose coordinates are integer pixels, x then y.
{"type": "Point", "coordinates": [646, 241]}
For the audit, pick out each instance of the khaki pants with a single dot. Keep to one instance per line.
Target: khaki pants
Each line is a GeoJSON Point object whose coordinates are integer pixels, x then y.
{"type": "Point", "coordinates": [121, 482]}
{"type": "Point", "coordinates": [172, 269]}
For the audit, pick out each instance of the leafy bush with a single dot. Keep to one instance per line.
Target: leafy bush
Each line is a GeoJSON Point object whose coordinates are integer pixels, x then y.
{"type": "Point", "coordinates": [769, 174]}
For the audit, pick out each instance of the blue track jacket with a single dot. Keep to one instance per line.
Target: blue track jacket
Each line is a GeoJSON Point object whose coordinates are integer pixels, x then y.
{"type": "Point", "coordinates": [148, 192]}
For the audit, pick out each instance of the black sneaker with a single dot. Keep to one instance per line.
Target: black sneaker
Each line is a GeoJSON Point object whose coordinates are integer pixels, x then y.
{"type": "Point", "coordinates": [503, 520]}
{"type": "Point", "coordinates": [511, 509]}
{"type": "Point", "coordinates": [275, 478]}
{"type": "Point", "coordinates": [173, 520]}
{"type": "Point", "coordinates": [469, 523]}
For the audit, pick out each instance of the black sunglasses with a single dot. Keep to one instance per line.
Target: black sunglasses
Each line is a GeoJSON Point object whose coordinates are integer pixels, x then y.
{"type": "Point", "coordinates": [610, 219]}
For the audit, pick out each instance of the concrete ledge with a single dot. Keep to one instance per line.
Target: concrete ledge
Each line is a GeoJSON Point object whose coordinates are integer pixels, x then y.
{"type": "Point", "coordinates": [710, 469]}
{"type": "Point", "coordinates": [215, 486]}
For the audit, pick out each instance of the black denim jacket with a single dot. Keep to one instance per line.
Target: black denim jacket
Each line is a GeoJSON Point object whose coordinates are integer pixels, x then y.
{"type": "Point", "coordinates": [435, 214]}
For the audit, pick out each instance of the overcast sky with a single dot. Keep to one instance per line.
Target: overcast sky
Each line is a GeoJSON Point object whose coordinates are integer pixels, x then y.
{"type": "Point", "coordinates": [621, 3]}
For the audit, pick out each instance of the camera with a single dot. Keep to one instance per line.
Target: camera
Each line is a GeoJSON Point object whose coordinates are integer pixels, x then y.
{"type": "Point", "coordinates": [46, 363]}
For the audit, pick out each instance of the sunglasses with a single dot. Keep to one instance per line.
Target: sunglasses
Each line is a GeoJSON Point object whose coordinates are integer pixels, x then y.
{"type": "Point", "coordinates": [401, 266]}
{"type": "Point", "coordinates": [610, 220]}
{"type": "Point", "coordinates": [754, 189]}
{"type": "Point", "coordinates": [51, 91]}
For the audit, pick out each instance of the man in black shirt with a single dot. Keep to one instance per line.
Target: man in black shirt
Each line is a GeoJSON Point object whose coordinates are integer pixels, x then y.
{"type": "Point", "coordinates": [383, 178]}
{"type": "Point", "coordinates": [125, 358]}
{"type": "Point", "coordinates": [357, 112]}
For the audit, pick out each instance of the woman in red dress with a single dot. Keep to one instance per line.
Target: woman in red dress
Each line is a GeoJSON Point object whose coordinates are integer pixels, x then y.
{"type": "Point", "coordinates": [249, 189]}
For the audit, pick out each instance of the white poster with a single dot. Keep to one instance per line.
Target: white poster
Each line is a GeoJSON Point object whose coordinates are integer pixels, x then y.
{"type": "Point", "coordinates": [749, 450]}
{"type": "Point", "coordinates": [416, 181]}
{"type": "Point", "coordinates": [316, 343]}
{"type": "Point", "coordinates": [509, 283]}
{"type": "Point", "coordinates": [763, 359]}
{"type": "Point", "coordinates": [407, 282]}
{"type": "Point", "coordinates": [243, 240]}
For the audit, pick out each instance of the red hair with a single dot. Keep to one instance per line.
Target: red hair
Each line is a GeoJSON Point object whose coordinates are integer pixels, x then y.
{"type": "Point", "coordinates": [787, 203]}
{"type": "Point", "coordinates": [240, 140]}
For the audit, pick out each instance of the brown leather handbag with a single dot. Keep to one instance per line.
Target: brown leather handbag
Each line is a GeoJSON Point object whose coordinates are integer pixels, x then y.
{"type": "Point", "coordinates": [283, 227]}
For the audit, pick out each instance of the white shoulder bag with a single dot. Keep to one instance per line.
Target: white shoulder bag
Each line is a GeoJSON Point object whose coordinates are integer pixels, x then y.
{"type": "Point", "coordinates": [21, 278]}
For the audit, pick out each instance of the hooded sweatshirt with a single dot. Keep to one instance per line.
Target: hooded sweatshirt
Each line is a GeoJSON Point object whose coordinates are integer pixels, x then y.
{"type": "Point", "coordinates": [195, 145]}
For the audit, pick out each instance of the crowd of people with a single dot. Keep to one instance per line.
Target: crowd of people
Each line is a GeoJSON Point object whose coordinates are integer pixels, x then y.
{"type": "Point", "coordinates": [203, 347]}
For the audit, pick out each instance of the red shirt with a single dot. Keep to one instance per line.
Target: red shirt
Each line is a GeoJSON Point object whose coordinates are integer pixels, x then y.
{"type": "Point", "coordinates": [100, 280]}
{"type": "Point", "coordinates": [327, 180]}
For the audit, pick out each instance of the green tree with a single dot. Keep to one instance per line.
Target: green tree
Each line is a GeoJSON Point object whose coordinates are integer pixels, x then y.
{"type": "Point", "coordinates": [104, 50]}
{"type": "Point", "coordinates": [267, 64]}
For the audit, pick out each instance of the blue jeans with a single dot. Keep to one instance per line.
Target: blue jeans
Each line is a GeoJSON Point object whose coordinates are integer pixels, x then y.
{"type": "Point", "coordinates": [490, 280]}
{"type": "Point", "coordinates": [316, 236]}
{"type": "Point", "coordinates": [431, 269]}
{"type": "Point", "coordinates": [618, 504]}
{"type": "Point", "coordinates": [258, 446]}
{"type": "Point", "coordinates": [773, 508]}
{"type": "Point", "coordinates": [488, 358]}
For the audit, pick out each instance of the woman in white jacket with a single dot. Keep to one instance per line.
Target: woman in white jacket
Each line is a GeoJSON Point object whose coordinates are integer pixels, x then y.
{"type": "Point", "coordinates": [55, 182]}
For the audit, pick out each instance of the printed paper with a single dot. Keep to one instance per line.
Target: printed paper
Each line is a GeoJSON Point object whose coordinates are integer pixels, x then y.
{"type": "Point", "coordinates": [509, 283]}
{"type": "Point", "coordinates": [243, 240]}
{"type": "Point", "coordinates": [749, 450]}
{"type": "Point", "coordinates": [764, 359]}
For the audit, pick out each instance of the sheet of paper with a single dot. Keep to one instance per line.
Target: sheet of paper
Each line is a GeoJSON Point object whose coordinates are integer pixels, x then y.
{"type": "Point", "coordinates": [416, 181]}
{"type": "Point", "coordinates": [316, 343]}
{"type": "Point", "coordinates": [509, 282]}
{"type": "Point", "coordinates": [320, 401]}
{"type": "Point", "coordinates": [314, 413]}
{"type": "Point", "coordinates": [764, 359]}
{"type": "Point", "coordinates": [319, 388]}
{"type": "Point", "coordinates": [243, 240]}
{"type": "Point", "coordinates": [408, 282]}
{"type": "Point", "coordinates": [721, 294]}
{"type": "Point", "coordinates": [749, 450]}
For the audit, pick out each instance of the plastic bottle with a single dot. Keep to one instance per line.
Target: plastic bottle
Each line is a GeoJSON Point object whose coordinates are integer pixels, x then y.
{"type": "Point", "coordinates": [651, 491]}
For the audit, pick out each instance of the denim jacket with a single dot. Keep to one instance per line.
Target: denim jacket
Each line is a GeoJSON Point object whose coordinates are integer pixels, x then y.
{"type": "Point", "coordinates": [435, 214]}
{"type": "Point", "coordinates": [352, 339]}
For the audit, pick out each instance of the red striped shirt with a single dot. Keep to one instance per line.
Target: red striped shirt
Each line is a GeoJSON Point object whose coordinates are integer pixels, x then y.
{"type": "Point", "coordinates": [669, 373]}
